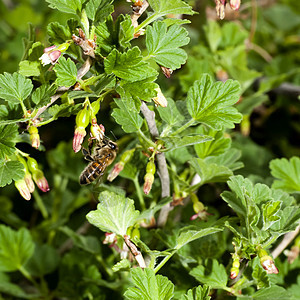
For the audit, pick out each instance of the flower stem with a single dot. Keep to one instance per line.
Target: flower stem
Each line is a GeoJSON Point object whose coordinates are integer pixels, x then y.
{"type": "Point", "coordinates": [182, 128]}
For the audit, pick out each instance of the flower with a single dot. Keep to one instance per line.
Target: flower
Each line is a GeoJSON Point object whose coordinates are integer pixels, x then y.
{"type": "Point", "coordinates": [79, 135]}
{"type": "Point", "coordinates": [235, 4]}
{"type": "Point", "coordinates": [29, 182]}
{"type": "Point", "coordinates": [149, 179]}
{"type": "Point", "coordinates": [118, 167]}
{"type": "Point", "coordinates": [50, 57]}
{"type": "Point", "coordinates": [160, 99]}
{"type": "Point", "coordinates": [38, 175]}
{"type": "Point", "coordinates": [23, 189]}
{"type": "Point", "coordinates": [267, 261]}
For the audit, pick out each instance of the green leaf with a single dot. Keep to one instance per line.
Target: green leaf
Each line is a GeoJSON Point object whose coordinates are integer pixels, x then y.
{"type": "Point", "coordinates": [211, 103]}
{"type": "Point", "coordinates": [175, 142]}
{"type": "Point", "coordinates": [213, 35]}
{"type": "Point", "coordinates": [15, 87]}
{"type": "Point", "coordinates": [127, 115]}
{"type": "Point", "coordinates": [211, 273]}
{"type": "Point", "coordinates": [14, 290]}
{"type": "Point", "coordinates": [164, 44]}
{"type": "Point", "coordinates": [261, 277]}
{"type": "Point", "coordinates": [42, 95]}
{"type": "Point", "coordinates": [9, 171]}
{"type": "Point", "coordinates": [170, 114]}
{"type": "Point", "coordinates": [126, 32]}
{"type": "Point", "coordinates": [67, 6]}
{"type": "Point", "coordinates": [128, 65]}
{"type": "Point", "coordinates": [16, 247]}
{"type": "Point", "coordinates": [29, 68]}
{"type": "Point", "coordinates": [197, 293]}
{"type": "Point", "coordinates": [8, 135]}
{"type": "Point", "coordinates": [287, 172]}
{"type": "Point", "coordinates": [188, 235]}
{"type": "Point", "coordinates": [162, 8]}
{"type": "Point", "coordinates": [122, 265]}
{"type": "Point", "coordinates": [274, 292]}
{"type": "Point", "coordinates": [44, 260]}
{"type": "Point", "coordinates": [218, 145]}
{"type": "Point", "coordinates": [99, 10]}
{"type": "Point", "coordinates": [149, 286]}
{"type": "Point", "coordinates": [64, 110]}
{"type": "Point", "coordinates": [114, 213]}
{"type": "Point", "coordinates": [270, 209]}
{"type": "Point", "coordinates": [58, 33]}
{"type": "Point", "coordinates": [66, 72]}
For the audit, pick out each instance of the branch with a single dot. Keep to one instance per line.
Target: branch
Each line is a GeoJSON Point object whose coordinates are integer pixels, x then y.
{"type": "Point", "coordinates": [162, 166]}
{"type": "Point", "coordinates": [81, 72]}
{"type": "Point", "coordinates": [136, 253]}
{"type": "Point", "coordinates": [288, 237]}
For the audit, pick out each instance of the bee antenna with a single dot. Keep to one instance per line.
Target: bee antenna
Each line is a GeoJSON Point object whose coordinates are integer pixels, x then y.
{"type": "Point", "coordinates": [113, 135]}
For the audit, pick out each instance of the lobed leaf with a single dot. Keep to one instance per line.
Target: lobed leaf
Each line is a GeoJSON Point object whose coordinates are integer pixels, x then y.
{"type": "Point", "coordinates": [9, 171]}
{"type": "Point", "coordinates": [170, 114]}
{"type": "Point", "coordinates": [66, 72]}
{"type": "Point", "coordinates": [197, 293]}
{"type": "Point", "coordinates": [162, 7]}
{"type": "Point", "coordinates": [42, 95]}
{"type": "Point", "coordinates": [67, 6]}
{"type": "Point", "coordinates": [8, 135]}
{"type": "Point", "coordinates": [99, 10]}
{"type": "Point", "coordinates": [261, 277]}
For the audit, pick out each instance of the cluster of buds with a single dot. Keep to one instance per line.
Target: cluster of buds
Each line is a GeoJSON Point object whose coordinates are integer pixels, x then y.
{"type": "Point", "coordinates": [199, 209]}
{"type": "Point", "coordinates": [149, 177]}
{"type": "Point", "coordinates": [267, 261]}
{"type": "Point", "coordinates": [220, 6]}
{"type": "Point", "coordinates": [34, 136]}
{"type": "Point", "coordinates": [82, 121]}
{"type": "Point", "coordinates": [25, 185]}
{"type": "Point", "coordinates": [53, 53]}
{"type": "Point", "coordinates": [118, 167]}
{"type": "Point", "coordinates": [160, 99]}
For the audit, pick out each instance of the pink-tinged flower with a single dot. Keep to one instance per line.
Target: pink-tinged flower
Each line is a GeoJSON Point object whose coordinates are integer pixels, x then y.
{"type": "Point", "coordinates": [50, 57]}
{"type": "Point", "coordinates": [23, 189]}
{"type": "Point", "coordinates": [149, 179]}
{"type": "Point", "coordinates": [79, 135]}
{"type": "Point", "coordinates": [160, 99]}
{"type": "Point", "coordinates": [235, 4]}
{"type": "Point", "coordinates": [29, 182]}
{"type": "Point", "coordinates": [118, 167]}
{"type": "Point", "coordinates": [110, 238]}
{"type": "Point", "coordinates": [97, 131]}
{"type": "Point", "coordinates": [41, 181]}
{"type": "Point", "coordinates": [220, 8]}
{"type": "Point", "coordinates": [268, 264]}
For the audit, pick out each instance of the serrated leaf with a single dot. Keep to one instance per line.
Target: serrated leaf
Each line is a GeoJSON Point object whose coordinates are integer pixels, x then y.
{"type": "Point", "coordinates": [188, 235]}
{"type": "Point", "coordinates": [9, 171]}
{"type": "Point", "coordinates": [99, 10]}
{"type": "Point", "coordinates": [211, 273]}
{"type": "Point", "coordinates": [198, 293]}
{"type": "Point", "coordinates": [175, 142]}
{"type": "Point", "coordinates": [261, 277]}
{"type": "Point", "coordinates": [67, 6]}
{"type": "Point", "coordinates": [66, 72]}
{"type": "Point", "coordinates": [127, 115]}
{"type": "Point", "coordinates": [170, 114]}
{"type": "Point", "coordinates": [213, 34]}
{"type": "Point", "coordinates": [218, 145]}
{"type": "Point", "coordinates": [114, 213]}
{"type": "Point", "coordinates": [122, 265]}
{"type": "Point", "coordinates": [164, 44]}
{"type": "Point", "coordinates": [273, 292]}
{"type": "Point", "coordinates": [8, 135]}
{"type": "Point", "coordinates": [149, 286]}
{"type": "Point", "coordinates": [270, 209]}
{"type": "Point", "coordinates": [64, 110]}
{"type": "Point", "coordinates": [128, 65]}
{"type": "Point", "coordinates": [29, 68]}
{"type": "Point", "coordinates": [162, 8]}
{"type": "Point", "coordinates": [16, 247]}
{"type": "Point", "coordinates": [211, 103]}
{"type": "Point", "coordinates": [287, 172]}
{"type": "Point", "coordinates": [15, 87]}
{"type": "Point", "coordinates": [58, 33]}
{"type": "Point", "coordinates": [42, 95]}
{"type": "Point", "coordinates": [126, 32]}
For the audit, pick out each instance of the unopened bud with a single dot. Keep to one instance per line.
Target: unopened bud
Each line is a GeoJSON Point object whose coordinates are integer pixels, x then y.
{"type": "Point", "coordinates": [118, 167]}
{"type": "Point", "coordinates": [79, 135]}
{"type": "Point", "coordinates": [23, 189]}
{"type": "Point", "coordinates": [29, 182]}
{"type": "Point", "coordinates": [235, 4]}
{"type": "Point", "coordinates": [38, 175]}
{"type": "Point", "coordinates": [149, 179]}
{"type": "Point", "coordinates": [160, 99]}
{"type": "Point", "coordinates": [267, 262]}
{"type": "Point", "coordinates": [235, 269]}
{"type": "Point", "coordinates": [34, 137]}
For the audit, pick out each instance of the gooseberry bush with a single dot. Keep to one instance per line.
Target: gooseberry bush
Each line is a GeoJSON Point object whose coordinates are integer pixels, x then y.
{"type": "Point", "coordinates": [197, 204]}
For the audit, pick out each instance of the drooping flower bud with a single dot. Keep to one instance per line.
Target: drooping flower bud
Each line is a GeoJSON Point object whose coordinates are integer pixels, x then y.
{"type": "Point", "coordinates": [38, 175]}
{"type": "Point", "coordinates": [267, 261]}
{"type": "Point", "coordinates": [82, 121]}
{"type": "Point", "coordinates": [235, 4]}
{"type": "Point", "coordinates": [199, 209]}
{"type": "Point", "coordinates": [125, 158]}
{"type": "Point", "coordinates": [23, 189]}
{"type": "Point", "coordinates": [97, 131]}
{"type": "Point", "coordinates": [149, 177]}
{"type": "Point", "coordinates": [34, 136]}
{"type": "Point", "coordinates": [220, 8]}
{"type": "Point", "coordinates": [160, 99]}
{"type": "Point", "coordinates": [235, 269]}
{"type": "Point", "coordinates": [53, 53]}
{"type": "Point", "coordinates": [29, 182]}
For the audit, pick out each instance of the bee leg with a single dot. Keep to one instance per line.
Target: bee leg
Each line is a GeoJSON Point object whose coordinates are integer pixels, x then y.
{"type": "Point", "coordinates": [87, 155]}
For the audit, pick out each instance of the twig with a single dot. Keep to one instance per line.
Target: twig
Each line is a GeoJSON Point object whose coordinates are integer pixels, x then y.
{"type": "Point", "coordinates": [162, 166]}
{"type": "Point", "coordinates": [81, 72]}
{"type": "Point", "coordinates": [288, 237]}
{"type": "Point", "coordinates": [136, 253]}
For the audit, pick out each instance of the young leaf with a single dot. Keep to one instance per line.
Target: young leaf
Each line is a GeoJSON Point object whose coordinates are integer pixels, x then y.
{"type": "Point", "coordinates": [127, 115]}
{"type": "Point", "coordinates": [16, 247]}
{"type": "Point", "coordinates": [211, 103]}
{"type": "Point", "coordinates": [67, 6]}
{"type": "Point", "coordinates": [149, 286]}
{"type": "Point", "coordinates": [287, 172]}
{"type": "Point", "coordinates": [162, 7]}
{"type": "Point", "coordinates": [99, 10]}
{"type": "Point", "coordinates": [261, 277]}
{"type": "Point", "coordinates": [9, 171]}
{"type": "Point", "coordinates": [29, 68]}
{"type": "Point", "coordinates": [114, 213]}
{"type": "Point", "coordinates": [8, 135]}
{"type": "Point", "coordinates": [15, 87]}
{"type": "Point", "coordinates": [198, 293]}
{"type": "Point", "coordinates": [270, 209]}
{"type": "Point", "coordinates": [58, 33]}
{"type": "Point", "coordinates": [170, 114]}
{"type": "Point", "coordinates": [42, 95]}
{"type": "Point", "coordinates": [211, 273]}
{"type": "Point", "coordinates": [128, 65]}
{"type": "Point", "coordinates": [164, 44]}
{"type": "Point", "coordinates": [126, 32]}
{"type": "Point", "coordinates": [66, 72]}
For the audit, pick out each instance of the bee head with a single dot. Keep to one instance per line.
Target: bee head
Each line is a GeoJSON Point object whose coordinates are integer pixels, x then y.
{"type": "Point", "coordinates": [113, 145]}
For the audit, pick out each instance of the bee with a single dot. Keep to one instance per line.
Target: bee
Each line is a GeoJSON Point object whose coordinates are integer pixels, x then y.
{"type": "Point", "coordinates": [100, 156]}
